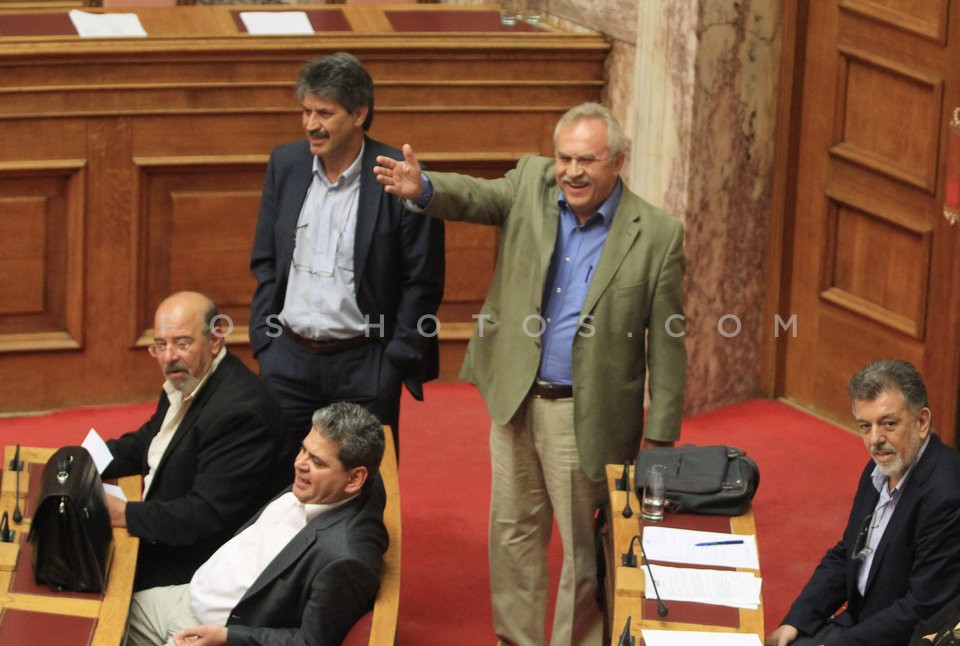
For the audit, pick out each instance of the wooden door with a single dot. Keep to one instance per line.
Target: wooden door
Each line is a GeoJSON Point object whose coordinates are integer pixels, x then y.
{"type": "Point", "coordinates": [870, 263]}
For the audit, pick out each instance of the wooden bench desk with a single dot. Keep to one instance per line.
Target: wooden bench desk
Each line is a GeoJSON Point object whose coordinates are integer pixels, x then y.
{"type": "Point", "coordinates": [39, 615]}
{"type": "Point", "coordinates": [624, 586]}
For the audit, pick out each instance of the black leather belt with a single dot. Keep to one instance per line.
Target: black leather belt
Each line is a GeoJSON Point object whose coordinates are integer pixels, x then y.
{"type": "Point", "coordinates": [332, 345]}
{"type": "Point", "coordinates": [545, 390]}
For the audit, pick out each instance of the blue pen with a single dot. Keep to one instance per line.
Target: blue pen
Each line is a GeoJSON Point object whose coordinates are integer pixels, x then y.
{"type": "Point", "coordinates": [719, 543]}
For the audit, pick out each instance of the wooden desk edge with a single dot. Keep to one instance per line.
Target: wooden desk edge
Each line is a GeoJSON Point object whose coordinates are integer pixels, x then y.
{"type": "Point", "coordinates": [111, 612]}
{"type": "Point", "coordinates": [751, 621]}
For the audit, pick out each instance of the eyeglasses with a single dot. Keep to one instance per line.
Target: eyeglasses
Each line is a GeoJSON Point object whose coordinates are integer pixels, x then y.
{"type": "Point", "coordinates": [583, 162]}
{"type": "Point", "coordinates": [323, 264]}
{"type": "Point", "coordinates": [862, 548]}
{"type": "Point", "coordinates": [160, 349]}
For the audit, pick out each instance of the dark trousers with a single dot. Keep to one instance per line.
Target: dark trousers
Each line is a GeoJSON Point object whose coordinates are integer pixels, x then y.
{"type": "Point", "coordinates": [303, 380]}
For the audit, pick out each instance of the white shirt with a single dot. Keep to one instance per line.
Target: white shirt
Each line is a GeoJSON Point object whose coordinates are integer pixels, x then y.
{"type": "Point", "coordinates": [320, 301]}
{"type": "Point", "coordinates": [219, 584]}
{"type": "Point", "coordinates": [171, 421]}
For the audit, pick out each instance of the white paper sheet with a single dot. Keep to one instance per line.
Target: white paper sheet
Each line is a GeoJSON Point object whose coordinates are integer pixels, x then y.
{"type": "Point", "coordinates": [716, 587]}
{"type": "Point", "coordinates": [100, 25]}
{"type": "Point", "coordinates": [97, 449]}
{"type": "Point", "coordinates": [682, 546]}
{"type": "Point", "coordinates": [276, 23]}
{"type": "Point", "coordinates": [688, 637]}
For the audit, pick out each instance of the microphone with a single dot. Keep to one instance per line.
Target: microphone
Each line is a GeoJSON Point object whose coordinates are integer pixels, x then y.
{"type": "Point", "coordinates": [661, 606]}
{"type": "Point", "coordinates": [6, 534]}
{"type": "Point", "coordinates": [627, 512]}
{"type": "Point", "coordinates": [630, 558]}
{"type": "Point", "coordinates": [626, 639]}
{"type": "Point", "coordinates": [17, 465]}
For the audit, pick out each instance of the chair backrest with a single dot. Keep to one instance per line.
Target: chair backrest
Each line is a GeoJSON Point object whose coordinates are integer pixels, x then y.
{"type": "Point", "coordinates": [379, 627]}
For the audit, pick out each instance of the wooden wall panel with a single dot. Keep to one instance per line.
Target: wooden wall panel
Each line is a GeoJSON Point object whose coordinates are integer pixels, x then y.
{"type": "Point", "coordinates": [878, 267]}
{"type": "Point", "coordinates": [41, 260]}
{"type": "Point", "coordinates": [131, 168]}
{"type": "Point", "coordinates": [877, 98]}
{"type": "Point", "coordinates": [198, 222]}
{"type": "Point", "coordinates": [927, 18]}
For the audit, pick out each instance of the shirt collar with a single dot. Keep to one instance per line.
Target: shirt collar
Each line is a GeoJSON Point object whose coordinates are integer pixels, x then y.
{"type": "Point", "coordinates": [606, 210]}
{"type": "Point", "coordinates": [173, 393]}
{"type": "Point", "coordinates": [880, 480]}
{"type": "Point", "coordinates": [348, 177]}
{"type": "Point", "coordinates": [314, 510]}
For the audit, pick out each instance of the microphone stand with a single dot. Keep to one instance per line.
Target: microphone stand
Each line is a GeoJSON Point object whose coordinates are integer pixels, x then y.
{"type": "Point", "coordinates": [630, 560]}
{"type": "Point", "coordinates": [623, 482]}
{"type": "Point", "coordinates": [6, 534]}
{"type": "Point", "coordinates": [17, 465]}
{"type": "Point", "coordinates": [661, 606]}
{"type": "Point", "coordinates": [626, 639]}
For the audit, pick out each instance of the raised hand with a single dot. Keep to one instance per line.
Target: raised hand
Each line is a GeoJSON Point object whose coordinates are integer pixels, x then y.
{"type": "Point", "coordinates": [400, 178]}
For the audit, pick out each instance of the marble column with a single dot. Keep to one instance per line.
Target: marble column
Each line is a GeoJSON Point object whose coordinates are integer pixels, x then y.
{"type": "Point", "coordinates": [703, 119]}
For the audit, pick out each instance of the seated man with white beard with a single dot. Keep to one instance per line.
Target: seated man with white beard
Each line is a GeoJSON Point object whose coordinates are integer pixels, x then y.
{"type": "Point", "coordinates": [210, 453]}
{"type": "Point", "coordinates": [898, 560]}
{"type": "Point", "coordinates": [305, 568]}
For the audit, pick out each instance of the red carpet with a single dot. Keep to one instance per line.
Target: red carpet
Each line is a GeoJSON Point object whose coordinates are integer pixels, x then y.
{"type": "Point", "coordinates": [808, 473]}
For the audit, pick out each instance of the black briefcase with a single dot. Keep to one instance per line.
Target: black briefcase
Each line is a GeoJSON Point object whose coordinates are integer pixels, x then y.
{"type": "Point", "coordinates": [718, 480]}
{"type": "Point", "coordinates": [70, 533]}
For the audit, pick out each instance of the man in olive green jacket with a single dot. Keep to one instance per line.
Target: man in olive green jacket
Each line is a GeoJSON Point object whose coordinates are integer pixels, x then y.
{"type": "Point", "coordinates": [585, 297]}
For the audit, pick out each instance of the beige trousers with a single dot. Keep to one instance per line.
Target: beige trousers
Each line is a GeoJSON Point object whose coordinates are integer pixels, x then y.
{"type": "Point", "coordinates": [537, 478]}
{"type": "Point", "coordinates": [157, 614]}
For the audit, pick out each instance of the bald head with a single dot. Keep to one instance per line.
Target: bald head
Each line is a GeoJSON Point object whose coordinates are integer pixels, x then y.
{"type": "Point", "coordinates": [190, 304]}
{"type": "Point", "coordinates": [183, 342]}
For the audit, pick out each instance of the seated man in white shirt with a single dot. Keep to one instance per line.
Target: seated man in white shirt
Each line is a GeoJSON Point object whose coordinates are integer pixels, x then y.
{"type": "Point", "coordinates": [305, 568]}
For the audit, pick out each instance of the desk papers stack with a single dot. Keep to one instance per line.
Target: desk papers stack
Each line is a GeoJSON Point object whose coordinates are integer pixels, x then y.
{"type": "Point", "coordinates": [277, 23]}
{"type": "Point", "coordinates": [700, 585]}
{"type": "Point", "coordinates": [99, 25]}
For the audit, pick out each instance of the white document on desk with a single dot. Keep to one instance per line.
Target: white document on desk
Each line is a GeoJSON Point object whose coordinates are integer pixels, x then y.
{"type": "Point", "coordinates": [686, 546]}
{"type": "Point", "coordinates": [699, 585]}
{"type": "Point", "coordinates": [98, 25]}
{"type": "Point", "coordinates": [276, 23]}
{"type": "Point", "coordinates": [687, 637]}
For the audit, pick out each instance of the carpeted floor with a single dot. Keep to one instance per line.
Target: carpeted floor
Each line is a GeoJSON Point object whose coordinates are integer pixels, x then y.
{"type": "Point", "coordinates": [808, 467]}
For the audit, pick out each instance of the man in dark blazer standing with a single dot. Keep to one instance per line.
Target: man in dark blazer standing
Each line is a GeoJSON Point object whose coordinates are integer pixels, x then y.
{"type": "Point", "coordinates": [305, 567]}
{"type": "Point", "coordinates": [898, 560]}
{"type": "Point", "coordinates": [586, 301]}
{"type": "Point", "coordinates": [208, 454]}
{"type": "Point", "coordinates": [348, 282]}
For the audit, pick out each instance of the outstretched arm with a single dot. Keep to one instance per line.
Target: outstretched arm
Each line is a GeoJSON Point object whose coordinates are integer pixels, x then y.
{"type": "Point", "coordinates": [400, 178]}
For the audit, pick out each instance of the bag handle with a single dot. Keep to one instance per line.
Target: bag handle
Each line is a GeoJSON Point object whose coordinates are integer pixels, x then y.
{"type": "Point", "coordinates": [64, 463]}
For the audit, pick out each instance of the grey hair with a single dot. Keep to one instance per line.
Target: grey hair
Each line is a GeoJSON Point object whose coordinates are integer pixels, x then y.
{"type": "Point", "coordinates": [617, 141]}
{"type": "Point", "coordinates": [357, 433]}
{"type": "Point", "coordinates": [873, 380]}
{"type": "Point", "coordinates": [210, 315]}
{"type": "Point", "coordinates": [341, 78]}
